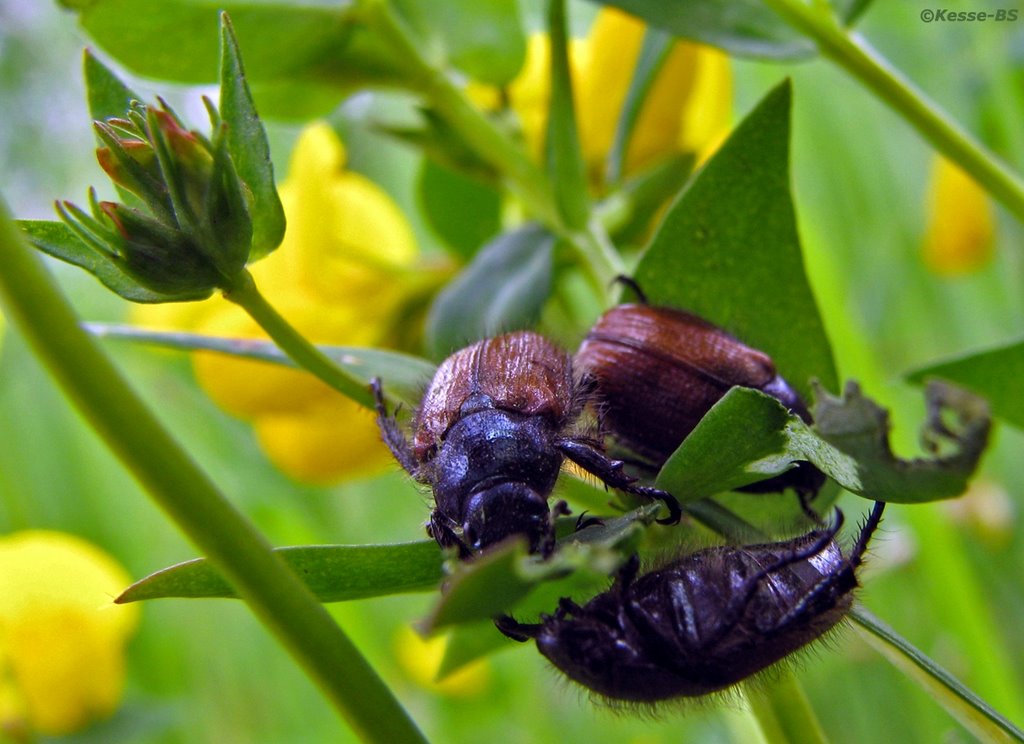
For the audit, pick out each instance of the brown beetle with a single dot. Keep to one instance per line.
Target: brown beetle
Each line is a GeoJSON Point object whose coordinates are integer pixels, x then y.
{"type": "Point", "coordinates": [490, 437]}
{"type": "Point", "coordinates": [658, 370]}
{"type": "Point", "coordinates": [705, 621]}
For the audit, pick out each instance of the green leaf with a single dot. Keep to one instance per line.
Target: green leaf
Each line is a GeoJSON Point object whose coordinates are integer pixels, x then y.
{"type": "Point", "coordinates": [741, 440]}
{"type": "Point", "coordinates": [335, 573]}
{"type": "Point", "coordinates": [997, 374]}
{"type": "Point", "coordinates": [247, 144]}
{"type": "Point", "coordinates": [748, 436]}
{"type": "Point", "coordinates": [463, 211]}
{"type": "Point", "coordinates": [858, 429]}
{"type": "Point", "coordinates": [483, 38]}
{"type": "Point", "coordinates": [627, 212]}
{"type": "Point", "coordinates": [503, 289]}
{"type": "Point", "coordinates": [562, 145]}
{"type": "Point", "coordinates": [742, 27]}
{"type": "Point", "coordinates": [499, 579]}
{"type": "Point", "coordinates": [107, 95]}
{"type": "Point", "coordinates": [284, 44]}
{"type": "Point", "coordinates": [404, 376]}
{"type": "Point", "coordinates": [728, 250]}
{"type": "Point", "coordinates": [654, 51]}
{"type": "Point", "coordinates": [60, 241]}
{"type": "Point", "coordinates": [971, 711]}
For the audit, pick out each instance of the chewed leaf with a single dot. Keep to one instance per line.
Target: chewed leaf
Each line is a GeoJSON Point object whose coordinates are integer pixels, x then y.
{"type": "Point", "coordinates": [748, 436]}
{"type": "Point", "coordinates": [501, 578]}
{"type": "Point", "coordinates": [858, 429]}
{"type": "Point", "coordinates": [404, 375]}
{"type": "Point", "coordinates": [334, 573]}
{"type": "Point", "coordinates": [997, 374]}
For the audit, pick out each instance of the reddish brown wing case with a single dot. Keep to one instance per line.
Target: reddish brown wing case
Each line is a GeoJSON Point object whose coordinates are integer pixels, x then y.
{"type": "Point", "coordinates": [521, 372]}
{"type": "Point", "coordinates": [659, 370]}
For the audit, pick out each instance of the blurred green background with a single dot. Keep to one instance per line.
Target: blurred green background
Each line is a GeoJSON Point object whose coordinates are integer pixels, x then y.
{"type": "Point", "coordinates": [946, 576]}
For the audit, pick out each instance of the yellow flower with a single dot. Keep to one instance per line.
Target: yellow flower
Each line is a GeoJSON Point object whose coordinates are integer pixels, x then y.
{"type": "Point", "coordinates": [335, 278]}
{"type": "Point", "coordinates": [421, 658]}
{"type": "Point", "coordinates": [61, 637]}
{"type": "Point", "coordinates": [961, 222]}
{"type": "Point", "coordinates": [686, 110]}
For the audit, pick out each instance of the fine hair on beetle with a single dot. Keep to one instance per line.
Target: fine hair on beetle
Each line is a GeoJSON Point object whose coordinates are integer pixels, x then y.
{"type": "Point", "coordinates": [701, 624]}
{"type": "Point", "coordinates": [490, 436]}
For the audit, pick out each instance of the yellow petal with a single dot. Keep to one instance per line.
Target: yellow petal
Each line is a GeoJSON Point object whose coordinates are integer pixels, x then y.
{"type": "Point", "coordinates": [707, 114]}
{"type": "Point", "coordinates": [421, 658]}
{"type": "Point", "coordinates": [326, 441]}
{"type": "Point", "coordinates": [961, 222]}
{"type": "Point", "coordinates": [61, 637]}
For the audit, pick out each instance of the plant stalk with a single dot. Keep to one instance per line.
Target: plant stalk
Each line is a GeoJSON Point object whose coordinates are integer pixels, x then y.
{"type": "Point", "coordinates": [185, 493]}
{"type": "Point", "coordinates": [855, 55]}
{"type": "Point", "coordinates": [244, 293]}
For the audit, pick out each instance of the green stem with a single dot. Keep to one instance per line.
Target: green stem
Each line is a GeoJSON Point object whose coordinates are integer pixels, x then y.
{"type": "Point", "coordinates": [783, 712]}
{"type": "Point", "coordinates": [492, 145]}
{"type": "Point", "coordinates": [854, 55]}
{"type": "Point", "coordinates": [246, 295]}
{"type": "Point", "coordinates": [275, 594]}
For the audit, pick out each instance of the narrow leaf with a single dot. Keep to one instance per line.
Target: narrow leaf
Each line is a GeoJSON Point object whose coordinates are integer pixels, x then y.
{"type": "Point", "coordinates": [502, 289]}
{"type": "Point", "coordinates": [740, 27]}
{"type": "Point", "coordinates": [248, 147]}
{"type": "Point", "coordinates": [335, 573]}
{"type": "Point", "coordinates": [108, 96]}
{"type": "Point", "coordinates": [58, 240]}
{"type": "Point", "coordinates": [653, 52]}
{"type": "Point", "coordinates": [728, 250]}
{"type": "Point", "coordinates": [997, 374]}
{"type": "Point", "coordinates": [564, 156]}
{"type": "Point", "coordinates": [404, 376]}
{"type": "Point", "coordinates": [971, 711]}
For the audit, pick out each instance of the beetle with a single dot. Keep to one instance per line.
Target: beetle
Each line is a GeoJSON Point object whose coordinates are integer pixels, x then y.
{"type": "Point", "coordinates": [490, 436]}
{"type": "Point", "coordinates": [658, 370]}
{"type": "Point", "coordinates": [703, 622]}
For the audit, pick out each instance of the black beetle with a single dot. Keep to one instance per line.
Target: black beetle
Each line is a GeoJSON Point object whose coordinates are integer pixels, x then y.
{"type": "Point", "coordinates": [705, 621]}
{"type": "Point", "coordinates": [658, 370]}
{"type": "Point", "coordinates": [490, 437]}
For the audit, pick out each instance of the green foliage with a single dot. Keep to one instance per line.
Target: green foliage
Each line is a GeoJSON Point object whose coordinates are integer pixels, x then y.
{"type": "Point", "coordinates": [534, 245]}
{"type": "Point", "coordinates": [334, 573]}
{"type": "Point", "coordinates": [995, 374]}
{"type": "Point", "coordinates": [730, 239]}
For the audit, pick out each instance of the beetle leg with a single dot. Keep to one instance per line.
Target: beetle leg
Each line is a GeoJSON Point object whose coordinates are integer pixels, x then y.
{"type": "Point", "coordinates": [873, 520]}
{"type": "Point", "coordinates": [626, 574]}
{"type": "Point", "coordinates": [584, 521]}
{"type": "Point", "coordinates": [441, 529]}
{"type": "Point", "coordinates": [515, 630]}
{"type": "Point", "coordinates": [738, 605]}
{"type": "Point", "coordinates": [610, 471]}
{"type": "Point", "coordinates": [391, 432]}
{"type": "Point", "coordinates": [567, 607]}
